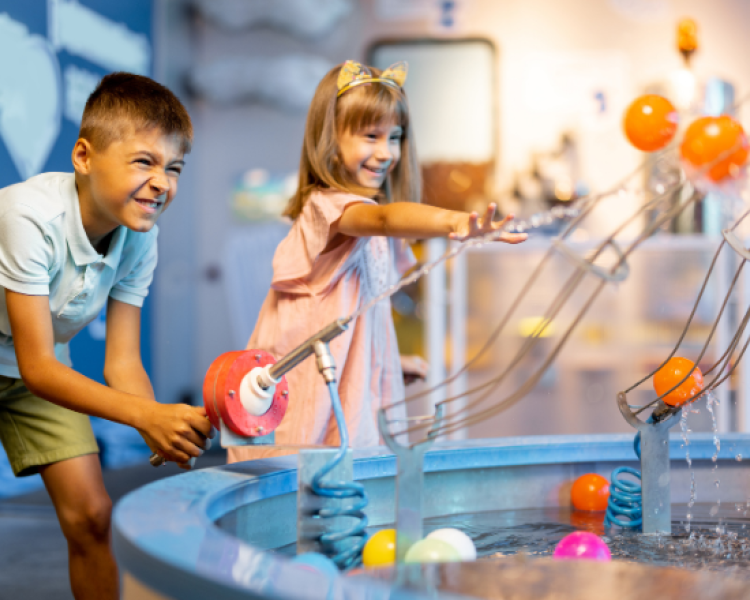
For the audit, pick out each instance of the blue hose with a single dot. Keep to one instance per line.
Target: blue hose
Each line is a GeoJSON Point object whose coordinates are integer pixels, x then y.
{"type": "Point", "coordinates": [343, 547]}
{"type": "Point", "coordinates": [625, 498]}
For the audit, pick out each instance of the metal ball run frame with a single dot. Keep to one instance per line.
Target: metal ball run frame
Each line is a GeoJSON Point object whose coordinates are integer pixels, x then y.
{"type": "Point", "coordinates": [676, 198]}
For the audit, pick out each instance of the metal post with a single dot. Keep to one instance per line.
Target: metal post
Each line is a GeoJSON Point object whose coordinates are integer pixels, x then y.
{"type": "Point", "coordinates": [655, 481]}
{"type": "Point", "coordinates": [458, 316]}
{"type": "Point", "coordinates": [743, 386]}
{"type": "Point", "coordinates": [723, 335]}
{"type": "Point", "coordinates": [435, 322]}
{"type": "Point", "coordinates": [409, 486]}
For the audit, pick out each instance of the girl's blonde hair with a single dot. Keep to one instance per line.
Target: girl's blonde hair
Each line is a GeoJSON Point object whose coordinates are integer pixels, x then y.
{"type": "Point", "coordinates": [356, 109]}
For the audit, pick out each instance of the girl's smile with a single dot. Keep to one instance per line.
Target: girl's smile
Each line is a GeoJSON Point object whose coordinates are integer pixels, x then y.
{"type": "Point", "coordinates": [371, 154]}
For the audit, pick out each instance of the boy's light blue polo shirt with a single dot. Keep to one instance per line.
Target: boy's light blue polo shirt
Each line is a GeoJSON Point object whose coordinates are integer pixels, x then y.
{"type": "Point", "coordinates": [44, 251]}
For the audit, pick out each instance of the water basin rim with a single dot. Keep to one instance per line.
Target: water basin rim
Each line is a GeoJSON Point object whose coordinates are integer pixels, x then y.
{"type": "Point", "coordinates": [167, 526]}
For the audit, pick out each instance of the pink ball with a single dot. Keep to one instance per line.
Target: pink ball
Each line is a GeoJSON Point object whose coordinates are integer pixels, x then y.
{"type": "Point", "coordinates": [582, 544]}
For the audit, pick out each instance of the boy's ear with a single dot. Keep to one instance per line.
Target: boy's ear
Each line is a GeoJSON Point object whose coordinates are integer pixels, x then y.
{"type": "Point", "coordinates": [82, 156]}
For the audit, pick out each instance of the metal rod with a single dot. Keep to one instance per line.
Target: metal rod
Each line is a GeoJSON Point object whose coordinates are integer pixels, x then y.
{"type": "Point", "coordinates": [307, 348]}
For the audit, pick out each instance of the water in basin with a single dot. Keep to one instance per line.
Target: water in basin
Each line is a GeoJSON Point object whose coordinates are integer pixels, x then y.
{"type": "Point", "coordinates": [716, 541]}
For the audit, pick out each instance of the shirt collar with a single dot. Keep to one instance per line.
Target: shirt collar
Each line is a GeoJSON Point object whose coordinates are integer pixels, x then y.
{"type": "Point", "coordinates": [81, 250]}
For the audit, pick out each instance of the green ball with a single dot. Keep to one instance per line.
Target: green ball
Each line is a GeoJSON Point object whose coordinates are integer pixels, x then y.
{"type": "Point", "coordinates": [432, 551]}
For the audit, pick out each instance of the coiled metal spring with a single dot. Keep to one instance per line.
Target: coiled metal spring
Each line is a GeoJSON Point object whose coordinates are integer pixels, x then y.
{"type": "Point", "coordinates": [625, 498]}
{"type": "Point", "coordinates": [343, 547]}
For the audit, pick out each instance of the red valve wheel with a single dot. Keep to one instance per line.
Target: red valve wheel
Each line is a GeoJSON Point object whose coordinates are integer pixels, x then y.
{"type": "Point", "coordinates": [221, 394]}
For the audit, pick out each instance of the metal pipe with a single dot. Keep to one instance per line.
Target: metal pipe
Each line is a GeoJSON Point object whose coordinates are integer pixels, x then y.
{"type": "Point", "coordinates": [305, 349]}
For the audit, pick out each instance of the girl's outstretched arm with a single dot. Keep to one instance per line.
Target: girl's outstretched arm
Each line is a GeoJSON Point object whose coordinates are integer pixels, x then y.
{"type": "Point", "coordinates": [420, 221]}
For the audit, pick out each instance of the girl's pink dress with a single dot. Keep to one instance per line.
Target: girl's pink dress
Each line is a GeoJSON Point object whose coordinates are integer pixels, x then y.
{"type": "Point", "coordinates": [310, 290]}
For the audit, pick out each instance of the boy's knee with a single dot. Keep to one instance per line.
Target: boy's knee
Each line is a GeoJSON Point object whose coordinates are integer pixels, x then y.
{"type": "Point", "coordinates": [87, 522]}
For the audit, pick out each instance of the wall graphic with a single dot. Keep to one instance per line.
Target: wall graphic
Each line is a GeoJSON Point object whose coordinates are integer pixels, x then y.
{"type": "Point", "coordinates": [52, 54]}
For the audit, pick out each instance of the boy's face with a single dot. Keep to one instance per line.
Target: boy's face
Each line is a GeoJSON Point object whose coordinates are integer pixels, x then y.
{"type": "Point", "coordinates": [371, 154]}
{"type": "Point", "coordinates": [130, 182]}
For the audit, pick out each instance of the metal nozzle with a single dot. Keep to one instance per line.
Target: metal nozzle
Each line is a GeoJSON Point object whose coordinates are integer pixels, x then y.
{"type": "Point", "coordinates": [301, 352]}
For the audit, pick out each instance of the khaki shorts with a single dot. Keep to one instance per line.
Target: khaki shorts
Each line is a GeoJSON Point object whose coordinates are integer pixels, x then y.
{"type": "Point", "coordinates": [35, 432]}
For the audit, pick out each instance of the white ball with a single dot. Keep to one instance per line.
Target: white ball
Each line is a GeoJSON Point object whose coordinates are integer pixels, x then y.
{"type": "Point", "coordinates": [459, 540]}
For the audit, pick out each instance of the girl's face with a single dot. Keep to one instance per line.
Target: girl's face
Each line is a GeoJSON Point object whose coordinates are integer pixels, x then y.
{"type": "Point", "coordinates": [371, 154]}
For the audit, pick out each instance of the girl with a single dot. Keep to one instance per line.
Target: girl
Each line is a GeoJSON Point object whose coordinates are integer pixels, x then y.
{"type": "Point", "coordinates": [356, 201]}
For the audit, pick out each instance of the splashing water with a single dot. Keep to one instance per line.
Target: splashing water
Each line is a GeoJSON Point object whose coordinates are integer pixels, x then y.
{"type": "Point", "coordinates": [686, 444]}
{"type": "Point", "coordinates": [712, 400]}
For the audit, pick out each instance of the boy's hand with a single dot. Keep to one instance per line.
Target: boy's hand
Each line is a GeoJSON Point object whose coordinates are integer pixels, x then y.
{"type": "Point", "coordinates": [177, 432]}
{"type": "Point", "coordinates": [469, 226]}
{"type": "Point", "coordinates": [414, 368]}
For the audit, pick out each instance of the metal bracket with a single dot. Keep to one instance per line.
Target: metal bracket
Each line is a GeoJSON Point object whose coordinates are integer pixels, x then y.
{"type": "Point", "coordinates": [409, 491]}
{"type": "Point", "coordinates": [655, 480]}
{"type": "Point", "coordinates": [230, 439]}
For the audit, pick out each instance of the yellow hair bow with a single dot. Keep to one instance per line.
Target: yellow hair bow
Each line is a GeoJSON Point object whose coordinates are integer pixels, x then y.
{"type": "Point", "coordinates": [353, 74]}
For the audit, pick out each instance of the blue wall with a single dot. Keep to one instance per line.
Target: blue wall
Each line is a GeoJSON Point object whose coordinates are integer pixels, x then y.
{"type": "Point", "coordinates": [136, 17]}
{"type": "Point", "coordinates": [68, 45]}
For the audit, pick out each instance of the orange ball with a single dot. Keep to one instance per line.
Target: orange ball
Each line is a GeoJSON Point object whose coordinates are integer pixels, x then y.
{"type": "Point", "coordinates": [718, 144]}
{"type": "Point", "coordinates": [590, 492]}
{"type": "Point", "coordinates": [671, 374]}
{"type": "Point", "coordinates": [650, 122]}
{"type": "Point", "coordinates": [687, 35]}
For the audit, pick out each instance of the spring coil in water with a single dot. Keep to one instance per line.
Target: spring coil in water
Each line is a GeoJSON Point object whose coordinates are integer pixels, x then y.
{"type": "Point", "coordinates": [625, 498]}
{"type": "Point", "coordinates": [343, 547]}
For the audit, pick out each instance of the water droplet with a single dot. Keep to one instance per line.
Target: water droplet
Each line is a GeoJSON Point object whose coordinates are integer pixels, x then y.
{"type": "Point", "coordinates": [738, 458]}
{"type": "Point", "coordinates": [713, 511]}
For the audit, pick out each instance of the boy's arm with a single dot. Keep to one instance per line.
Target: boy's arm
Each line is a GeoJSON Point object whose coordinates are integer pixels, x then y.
{"type": "Point", "coordinates": [420, 221]}
{"type": "Point", "coordinates": [177, 430]}
{"type": "Point", "coordinates": [123, 365]}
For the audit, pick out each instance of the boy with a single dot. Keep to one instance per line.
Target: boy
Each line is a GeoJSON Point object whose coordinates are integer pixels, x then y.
{"type": "Point", "coordinates": [69, 243]}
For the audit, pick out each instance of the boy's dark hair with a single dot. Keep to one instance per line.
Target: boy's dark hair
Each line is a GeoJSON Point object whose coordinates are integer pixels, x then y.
{"type": "Point", "coordinates": [125, 100]}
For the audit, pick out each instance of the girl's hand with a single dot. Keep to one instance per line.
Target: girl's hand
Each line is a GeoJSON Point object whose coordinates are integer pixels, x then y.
{"type": "Point", "coordinates": [414, 368]}
{"type": "Point", "coordinates": [469, 226]}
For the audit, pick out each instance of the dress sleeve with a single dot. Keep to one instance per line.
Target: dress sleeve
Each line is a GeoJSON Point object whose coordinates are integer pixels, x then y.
{"type": "Point", "coordinates": [26, 251]}
{"type": "Point", "coordinates": [297, 253]}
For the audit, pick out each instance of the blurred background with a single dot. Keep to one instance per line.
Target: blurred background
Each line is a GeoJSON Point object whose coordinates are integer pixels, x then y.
{"type": "Point", "coordinates": [518, 102]}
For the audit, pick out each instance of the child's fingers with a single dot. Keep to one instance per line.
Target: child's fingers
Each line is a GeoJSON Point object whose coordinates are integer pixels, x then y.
{"type": "Point", "coordinates": [195, 438]}
{"type": "Point", "coordinates": [197, 420]}
{"type": "Point", "coordinates": [183, 450]}
{"type": "Point", "coordinates": [489, 215]}
{"type": "Point", "coordinates": [513, 238]}
{"type": "Point", "coordinates": [420, 366]}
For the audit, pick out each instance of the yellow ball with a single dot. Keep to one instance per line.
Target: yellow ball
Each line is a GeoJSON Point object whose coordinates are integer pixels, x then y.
{"type": "Point", "coordinates": [380, 549]}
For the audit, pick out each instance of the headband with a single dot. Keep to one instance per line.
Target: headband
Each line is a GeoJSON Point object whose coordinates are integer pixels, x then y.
{"type": "Point", "coordinates": [353, 74]}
